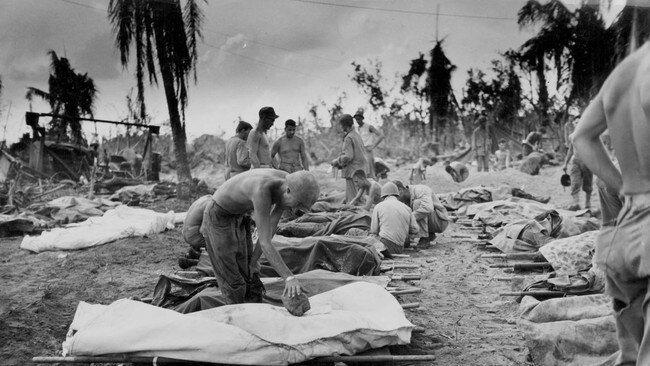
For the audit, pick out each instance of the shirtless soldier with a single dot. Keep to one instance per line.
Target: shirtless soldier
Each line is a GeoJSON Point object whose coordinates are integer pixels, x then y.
{"type": "Point", "coordinates": [257, 143]}
{"type": "Point", "coordinates": [291, 149]}
{"type": "Point", "coordinates": [623, 106]}
{"type": "Point", "coordinates": [226, 228]}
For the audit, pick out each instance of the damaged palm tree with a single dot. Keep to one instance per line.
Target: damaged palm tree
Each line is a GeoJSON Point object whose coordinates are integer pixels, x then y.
{"type": "Point", "coordinates": [162, 31]}
{"type": "Point", "coordinates": [69, 94]}
{"type": "Point", "coordinates": [438, 88]}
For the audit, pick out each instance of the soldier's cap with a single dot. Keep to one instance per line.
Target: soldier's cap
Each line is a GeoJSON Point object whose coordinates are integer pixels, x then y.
{"type": "Point", "coordinates": [267, 112]}
{"type": "Point", "coordinates": [304, 187]}
{"type": "Point", "coordinates": [359, 114]}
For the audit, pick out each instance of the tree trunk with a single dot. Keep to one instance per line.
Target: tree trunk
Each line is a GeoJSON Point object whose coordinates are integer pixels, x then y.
{"type": "Point", "coordinates": [178, 133]}
{"type": "Point", "coordinates": [543, 91]}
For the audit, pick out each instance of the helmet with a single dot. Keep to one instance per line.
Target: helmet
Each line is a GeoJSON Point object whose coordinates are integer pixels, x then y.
{"type": "Point", "coordinates": [389, 189]}
{"type": "Point", "coordinates": [304, 187]}
{"type": "Point", "coordinates": [565, 180]}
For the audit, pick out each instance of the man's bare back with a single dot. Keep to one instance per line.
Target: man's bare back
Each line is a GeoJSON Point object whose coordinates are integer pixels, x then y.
{"type": "Point", "coordinates": [236, 195]}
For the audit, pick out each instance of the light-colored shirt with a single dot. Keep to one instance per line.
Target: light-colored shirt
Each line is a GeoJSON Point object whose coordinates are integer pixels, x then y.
{"type": "Point", "coordinates": [259, 149]}
{"type": "Point", "coordinates": [393, 220]}
{"type": "Point", "coordinates": [367, 137]}
{"type": "Point", "coordinates": [237, 155]}
{"type": "Point", "coordinates": [481, 141]}
{"type": "Point", "coordinates": [423, 201]}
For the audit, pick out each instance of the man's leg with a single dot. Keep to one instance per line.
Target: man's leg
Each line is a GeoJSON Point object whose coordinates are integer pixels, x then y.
{"type": "Point", "coordinates": [350, 190]}
{"type": "Point", "coordinates": [221, 244]}
{"type": "Point", "coordinates": [587, 184]}
{"type": "Point", "coordinates": [479, 163]}
{"type": "Point", "coordinates": [629, 316]}
{"type": "Point", "coordinates": [486, 163]}
{"type": "Point", "coordinates": [576, 184]}
{"type": "Point", "coordinates": [370, 157]}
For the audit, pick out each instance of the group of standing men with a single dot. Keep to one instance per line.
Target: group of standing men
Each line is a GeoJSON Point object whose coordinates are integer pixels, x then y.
{"type": "Point", "coordinates": [249, 148]}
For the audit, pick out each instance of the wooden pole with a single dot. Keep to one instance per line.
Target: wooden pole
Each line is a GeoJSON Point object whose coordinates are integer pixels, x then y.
{"type": "Point", "coordinates": [164, 360]}
{"type": "Point", "coordinates": [534, 293]}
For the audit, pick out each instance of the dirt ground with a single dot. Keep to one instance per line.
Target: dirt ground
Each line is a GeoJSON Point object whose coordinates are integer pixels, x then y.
{"type": "Point", "coordinates": [465, 322]}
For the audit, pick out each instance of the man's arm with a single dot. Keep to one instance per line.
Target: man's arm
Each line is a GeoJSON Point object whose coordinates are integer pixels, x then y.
{"type": "Point", "coordinates": [379, 134]}
{"type": "Point", "coordinates": [372, 192]}
{"type": "Point", "coordinates": [414, 229]}
{"type": "Point", "coordinates": [356, 198]}
{"type": "Point", "coordinates": [586, 141]}
{"type": "Point", "coordinates": [569, 155]}
{"type": "Point", "coordinates": [508, 159]}
{"type": "Point", "coordinates": [374, 223]}
{"type": "Point", "coordinates": [253, 146]}
{"type": "Point", "coordinates": [303, 155]}
{"type": "Point", "coordinates": [275, 149]}
{"type": "Point", "coordinates": [242, 155]}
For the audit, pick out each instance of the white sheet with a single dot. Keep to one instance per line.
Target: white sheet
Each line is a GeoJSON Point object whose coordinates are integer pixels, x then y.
{"type": "Point", "coordinates": [346, 320]}
{"type": "Point", "coordinates": [121, 222]}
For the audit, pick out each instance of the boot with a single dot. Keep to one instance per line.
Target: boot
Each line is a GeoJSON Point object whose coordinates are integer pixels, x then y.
{"type": "Point", "coordinates": [587, 200]}
{"type": "Point", "coordinates": [575, 204]}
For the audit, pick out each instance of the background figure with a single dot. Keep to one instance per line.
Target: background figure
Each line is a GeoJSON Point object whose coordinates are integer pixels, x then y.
{"type": "Point", "coordinates": [258, 145]}
{"type": "Point", "coordinates": [371, 137]}
{"type": "Point", "coordinates": [291, 149]}
{"type": "Point", "coordinates": [419, 170]}
{"type": "Point", "coordinates": [237, 159]}
{"type": "Point", "coordinates": [503, 157]}
{"type": "Point", "coordinates": [392, 221]}
{"type": "Point", "coordinates": [481, 144]}
{"type": "Point", "coordinates": [352, 156]}
{"type": "Point", "coordinates": [191, 230]}
{"type": "Point", "coordinates": [430, 214]}
{"type": "Point", "coordinates": [532, 141]}
{"type": "Point", "coordinates": [457, 170]}
{"type": "Point", "coordinates": [581, 178]}
{"type": "Point", "coordinates": [381, 168]}
{"type": "Point", "coordinates": [365, 186]}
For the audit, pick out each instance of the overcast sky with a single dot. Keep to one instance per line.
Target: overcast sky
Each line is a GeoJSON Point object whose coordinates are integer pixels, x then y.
{"type": "Point", "coordinates": [283, 53]}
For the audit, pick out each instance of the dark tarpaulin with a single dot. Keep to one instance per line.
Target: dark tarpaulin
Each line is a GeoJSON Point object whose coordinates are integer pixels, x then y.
{"type": "Point", "coordinates": [190, 295]}
{"type": "Point", "coordinates": [321, 224]}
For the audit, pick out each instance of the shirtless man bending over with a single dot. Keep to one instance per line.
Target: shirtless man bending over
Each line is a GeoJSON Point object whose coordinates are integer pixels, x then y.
{"type": "Point", "coordinates": [623, 106]}
{"type": "Point", "coordinates": [226, 228]}
{"type": "Point", "coordinates": [365, 186]}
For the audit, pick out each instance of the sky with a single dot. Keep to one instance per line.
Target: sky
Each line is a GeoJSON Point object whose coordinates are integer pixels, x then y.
{"type": "Point", "coordinates": [283, 53]}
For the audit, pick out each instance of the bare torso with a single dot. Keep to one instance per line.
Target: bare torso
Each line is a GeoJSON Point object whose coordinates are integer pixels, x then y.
{"type": "Point", "coordinates": [626, 102]}
{"type": "Point", "coordinates": [236, 194]}
{"type": "Point", "coordinates": [289, 149]}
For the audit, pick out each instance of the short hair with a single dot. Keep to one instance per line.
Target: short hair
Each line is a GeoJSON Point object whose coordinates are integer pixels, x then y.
{"type": "Point", "coordinates": [542, 130]}
{"type": "Point", "coordinates": [289, 123]}
{"type": "Point", "coordinates": [399, 184]}
{"type": "Point", "coordinates": [503, 141]}
{"type": "Point", "coordinates": [242, 126]}
{"type": "Point", "coordinates": [359, 173]}
{"type": "Point", "coordinates": [346, 120]}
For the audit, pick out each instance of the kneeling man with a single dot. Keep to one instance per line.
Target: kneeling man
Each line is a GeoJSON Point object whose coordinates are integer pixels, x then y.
{"type": "Point", "coordinates": [226, 227]}
{"type": "Point", "coordinates": [392, 221]}
{"type": "Point", "coordinates": [429, 213]}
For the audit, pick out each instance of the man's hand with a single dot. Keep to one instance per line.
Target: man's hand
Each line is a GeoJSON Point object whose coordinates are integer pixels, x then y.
{"type": "Point", "coordinates": [292, 287]}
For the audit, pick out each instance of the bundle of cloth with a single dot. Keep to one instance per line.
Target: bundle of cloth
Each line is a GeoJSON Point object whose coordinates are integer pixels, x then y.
{"type": "Point", "coordinates": [325, 223]}
{"type": "Point", "coordinates": [576, 331]}
{"type": "Point", "coordinates": [345, 320]}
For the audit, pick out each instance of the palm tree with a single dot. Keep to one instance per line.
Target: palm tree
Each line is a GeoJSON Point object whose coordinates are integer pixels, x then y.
{"type": "Point", "coordinates": [162, 31]}
{"type": "Point", "coordinates": [69, 94]}
{"type": "Point", "coordinates": [438, 88]}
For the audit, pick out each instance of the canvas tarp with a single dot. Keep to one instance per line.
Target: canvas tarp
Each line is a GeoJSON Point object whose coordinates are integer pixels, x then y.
{"type": "Point", "coordinates": [322, 224]}
{"type": "Point", "coordinates": [347, 320]}
{"type": "Point", "coordinates": [571, 255]}
{"type": "Point", "coordinates": [335, 253]}
{"type": "Point", "coordinates": [576, 331]}
{"type": "Point", "coordinates": [190, 295]}
{"type": "Point", "coordinates": [121, 222]}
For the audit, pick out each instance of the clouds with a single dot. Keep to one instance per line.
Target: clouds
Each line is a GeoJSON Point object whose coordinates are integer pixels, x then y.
{"type": "Point", "coordinates": [256, 52]}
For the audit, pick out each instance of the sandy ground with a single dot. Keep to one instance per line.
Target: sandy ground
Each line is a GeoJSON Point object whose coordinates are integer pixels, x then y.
{"type": "Point", "coordinates": [465, 321]}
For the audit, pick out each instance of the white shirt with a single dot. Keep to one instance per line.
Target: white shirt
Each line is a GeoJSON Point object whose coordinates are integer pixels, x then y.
{"type": "Point", "coordinates": [393, 220]}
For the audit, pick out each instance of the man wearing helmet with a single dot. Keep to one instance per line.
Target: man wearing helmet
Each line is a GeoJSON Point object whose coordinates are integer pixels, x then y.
{"type": "Point", "coordinates": [392, 221]}
{"type": "Point", "coordinates": [226, 227]}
